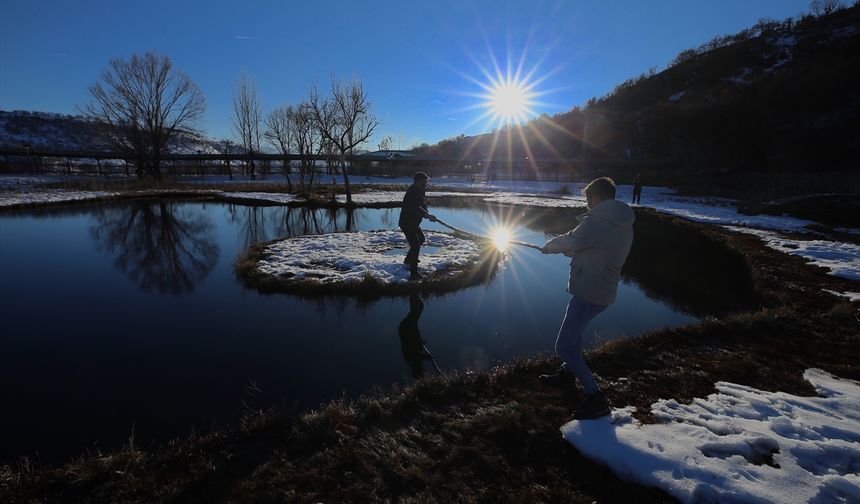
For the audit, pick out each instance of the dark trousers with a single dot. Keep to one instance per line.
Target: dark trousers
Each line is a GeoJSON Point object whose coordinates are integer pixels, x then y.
{"type": "Point", "coordinates": [415, 237]}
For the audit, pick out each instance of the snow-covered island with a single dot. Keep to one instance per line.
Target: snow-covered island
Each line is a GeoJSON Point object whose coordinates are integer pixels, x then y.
{"type": "Point", "coordinates": [365, 263]}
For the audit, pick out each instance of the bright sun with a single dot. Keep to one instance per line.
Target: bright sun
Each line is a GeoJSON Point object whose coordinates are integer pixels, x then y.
{"type": "Point", "coordinates": [501, 237]}
{"type": "Point", "coordinates": [510, 101]}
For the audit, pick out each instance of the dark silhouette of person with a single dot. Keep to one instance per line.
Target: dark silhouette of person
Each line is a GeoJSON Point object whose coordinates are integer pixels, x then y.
{"type": "Point", "coordinates": [413, 210]}
{"type": "Point", "coordinates": [411, 343]}
{"type": "Point", "coordinates": [637, 189]}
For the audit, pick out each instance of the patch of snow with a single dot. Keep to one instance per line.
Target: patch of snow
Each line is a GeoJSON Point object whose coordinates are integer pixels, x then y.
{"type": "Point", "coordinates": [352, 257]}
{"type": "Point", "coordinates": [778, 64]}
{"type": "Point", "coordinates": [677, 96]}
{"type": "Point", "coordinates": [741, 78]}
{"type": "Point", "coordinates": [847, 230]}
{"type": "Point", "coordinates": [536, 201]}
{"type": "Point", "coordinates": [785, 41]}
{"type": "Point", "coordinates": [8, 199]}
{"type": "Point", "coordinates": [723, 211]}
{"type": "Point", "coordinates": [841, 258]}
{"type": "Point", "coordinates": [740, 444]}
{"type": "Point", "coordinates": [13, 182]}
{"type": "Point", "coordinates": [852, 296]}
{"type": "Point", "coordinates": [262, 196]}
{"type": "Point", "coordinates": [391, 197]}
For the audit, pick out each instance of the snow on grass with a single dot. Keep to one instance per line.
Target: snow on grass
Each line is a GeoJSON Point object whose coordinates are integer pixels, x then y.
{"type": "Point", "coordinates": [25, 182]}
{"type": "Point", "coordinates": [537, 201]}
{"type": "Point", "coordinates": [723, 212]}
{"type": "Point", "coordinates": [851, 296]}
{"type": "Point", "coordinates": [738, 445]}
{"type": "Point", "coordinates": [280, 198]}
{"type": "Point", "coordinates": [677, 96]}
{"type": "Point", "coordinates": [354, 257]}
{"type": "Point", "coordinates": [841, 258]}
{"type": "Point", "coordinates": [392, 197]}
{"type": "Point", "coordinates": [9, 199]}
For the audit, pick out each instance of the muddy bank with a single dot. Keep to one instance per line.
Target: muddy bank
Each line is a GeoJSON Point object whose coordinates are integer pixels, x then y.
{"type": "Point", "coordinates": [485, 436]}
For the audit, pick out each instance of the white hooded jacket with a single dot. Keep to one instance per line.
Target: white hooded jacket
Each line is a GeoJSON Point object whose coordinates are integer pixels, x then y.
{"type": "Point", "coordinates": [598, 247]}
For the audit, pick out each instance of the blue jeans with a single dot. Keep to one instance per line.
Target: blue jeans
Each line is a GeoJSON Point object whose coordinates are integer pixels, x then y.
{"type": "Point", "coordinates": [569, 343]}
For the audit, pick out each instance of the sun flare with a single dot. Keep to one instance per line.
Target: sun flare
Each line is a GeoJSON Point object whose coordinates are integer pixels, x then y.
{"type": "Point", "coordinates": [510, 101]}
{"type": "Point", "coordinates": [501, 237]}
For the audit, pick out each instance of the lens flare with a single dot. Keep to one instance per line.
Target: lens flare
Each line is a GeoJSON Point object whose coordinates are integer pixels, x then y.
{"type": "Point", "coordinates": [510, 102]}
{"type": "Point", "coordinates": [501, 237]}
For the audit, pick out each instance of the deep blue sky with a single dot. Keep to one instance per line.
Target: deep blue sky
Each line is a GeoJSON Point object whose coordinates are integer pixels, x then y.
{"type": "Point", "coordinates": [413, 57]}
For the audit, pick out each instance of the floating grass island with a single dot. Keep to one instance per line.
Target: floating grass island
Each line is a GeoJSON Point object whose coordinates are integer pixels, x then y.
{"type": "Point", "coordinates": [366, 264]}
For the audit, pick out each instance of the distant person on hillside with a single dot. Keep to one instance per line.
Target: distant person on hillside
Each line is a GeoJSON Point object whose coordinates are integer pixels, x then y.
{"type": "Point", "coordinates": [414, 209]}
{"type": "Point", "coordinates": [637, 189]}
{"type": "Point", "coordinates": [598, 247]}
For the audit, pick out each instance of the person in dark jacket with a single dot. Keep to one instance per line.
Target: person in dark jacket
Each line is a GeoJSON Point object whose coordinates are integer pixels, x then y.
{"type": "Point", "coordinates": [637, 189]}
{"type": "Point", "coordinates": [413, 211]}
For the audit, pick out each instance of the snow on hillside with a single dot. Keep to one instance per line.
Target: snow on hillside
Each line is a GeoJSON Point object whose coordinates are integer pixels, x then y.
{"type": "Point", "coordinates": [49, 131]}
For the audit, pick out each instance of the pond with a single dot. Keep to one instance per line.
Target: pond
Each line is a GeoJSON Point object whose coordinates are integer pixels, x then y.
{"type": "Point", "coordinates": [127, 317]}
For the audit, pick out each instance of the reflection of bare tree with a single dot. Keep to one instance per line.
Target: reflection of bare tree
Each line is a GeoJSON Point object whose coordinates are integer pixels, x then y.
{"type": "Point", "coordinates": [257, 224]}
{"type": "Point", "coordinates": [301, 221]}
{"type": "Point", "coordinates": [157, 246]}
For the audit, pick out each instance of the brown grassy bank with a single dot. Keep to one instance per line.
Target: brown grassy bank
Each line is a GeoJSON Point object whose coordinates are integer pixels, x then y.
{"type": "Point", "coordinates": [488, 436]}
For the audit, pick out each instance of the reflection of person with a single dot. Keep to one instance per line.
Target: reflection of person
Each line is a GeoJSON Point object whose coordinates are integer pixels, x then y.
{"type": "Point", "coordinates": [414, 209]}
{"type": "Point", "coordinates": [598, 247]}
{"type": "Point", "coordinates": [411, 344]}
{"type": "Point", "coordinates": [637, 189]}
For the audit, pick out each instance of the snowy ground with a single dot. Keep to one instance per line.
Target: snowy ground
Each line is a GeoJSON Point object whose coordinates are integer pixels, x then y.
{"type": "Point", "coordinates": [280, 198]}
{"type": "Point", "coordinates": [738, 445]}
{"type": "Point", "coordinates": [50, 196]}
{"type": "Point", "coordinates": [842, 259]}
{"type": "Point", "coordinates": [353, 257]}
{"type": "Point", "coordinates": [395, 197]}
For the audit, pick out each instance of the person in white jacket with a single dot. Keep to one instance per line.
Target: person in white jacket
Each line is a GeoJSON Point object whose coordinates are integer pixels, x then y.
{"type": "Point", "coordinates": [598, 247]}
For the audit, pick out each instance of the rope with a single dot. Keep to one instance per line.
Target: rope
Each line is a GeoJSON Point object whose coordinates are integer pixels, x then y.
{"type": "Point", "coordinates": [473, 235]}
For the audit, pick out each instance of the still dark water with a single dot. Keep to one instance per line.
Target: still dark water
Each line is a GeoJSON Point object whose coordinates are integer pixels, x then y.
{"type": "Point", "coordinates": [128, 316]}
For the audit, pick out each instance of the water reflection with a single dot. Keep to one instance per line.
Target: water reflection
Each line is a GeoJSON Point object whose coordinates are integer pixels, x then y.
{"type": "Point", "coordinates": [134, 368]}
{"type": "Point", "coordinates": [411, 344]}
{"type": "Point", "coordinates": [300, 221]}
{"type": "Point", "coordinates": [158, 244]}
{"type": "Point", "coordinates": [676, 264]}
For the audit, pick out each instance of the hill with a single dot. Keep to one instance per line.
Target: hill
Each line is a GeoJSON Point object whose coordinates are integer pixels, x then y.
{"type": "Point", "coordinates": [60, 132]}
{"type": "Point", "coordinates": [779, 97]}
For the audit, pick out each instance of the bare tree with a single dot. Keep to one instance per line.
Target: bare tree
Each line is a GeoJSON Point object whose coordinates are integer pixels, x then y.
{"type": "Point", "coordinates": [246, 118]}
{"type": "Point", "coordinates": [141, 105]}
{"type": "Point", "coordinates": [307, 142]}
{"type": "Point", "coordinates": [279, 133]}
{"type": "Point", "coordinates": [228, 148]}
{"type": "Point", "coordinates": [391, 142]}
{"type": "Point", "coordinates": [824, 7]}
{"type": "Point", "coordinates": [345, 119]}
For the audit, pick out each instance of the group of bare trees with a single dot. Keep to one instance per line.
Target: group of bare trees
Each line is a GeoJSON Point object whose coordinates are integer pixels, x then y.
{"type": "Point", "coordinates": [330, 126]}
{"type": "Point", "coordinates": [144, 103]}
